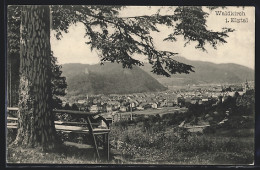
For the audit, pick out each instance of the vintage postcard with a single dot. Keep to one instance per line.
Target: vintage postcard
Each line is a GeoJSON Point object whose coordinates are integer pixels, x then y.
{"type": "Point", "coordinates": [134, 85]}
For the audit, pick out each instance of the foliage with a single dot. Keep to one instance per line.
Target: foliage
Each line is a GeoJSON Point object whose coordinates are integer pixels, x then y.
{"type": "Point", "coordinates": [241, 112]}
{"type": "Point", "coordinates": [193, 27]}
{"type": "Point", "coordinates": [58, 83]}
{"type": "Point", "coordinates": [13, 62]}
{"type": "Point", "coordinates": [13, 27]}
{"type": "Point", "coordinates": [247, 101]}
{"type": "Point", "coordinates": [74, 107]}
{"type": "Point", "coordinates": [118, 38]}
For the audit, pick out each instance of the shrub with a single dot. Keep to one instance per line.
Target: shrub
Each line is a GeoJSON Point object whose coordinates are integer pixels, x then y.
{"type": "Point", "coordinates": [209, 130]}
{"type": "Point", "coordinates": [11, 135]}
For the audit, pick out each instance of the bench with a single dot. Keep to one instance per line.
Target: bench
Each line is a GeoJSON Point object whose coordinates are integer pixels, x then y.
{"type": "Point", "coordinates": [99, 135]}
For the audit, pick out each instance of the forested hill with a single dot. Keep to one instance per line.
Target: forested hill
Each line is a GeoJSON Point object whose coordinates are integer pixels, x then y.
{"type": "Point", "coordinates": [205, 72]}
{"type": "Point", "coordinates": [109, 78]}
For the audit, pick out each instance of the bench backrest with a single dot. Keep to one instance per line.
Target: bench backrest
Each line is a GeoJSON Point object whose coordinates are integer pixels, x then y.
{"type": "Point", "coordinates": [12, 122]}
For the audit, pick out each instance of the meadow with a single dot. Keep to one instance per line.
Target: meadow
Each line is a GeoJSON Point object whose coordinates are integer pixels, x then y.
{"type": "Point", "coordinates": [137, 144]}
{"type": "Point", "coordinates": [152, 142]}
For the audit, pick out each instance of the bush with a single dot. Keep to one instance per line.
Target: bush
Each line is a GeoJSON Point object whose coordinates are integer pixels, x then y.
{"type": "Point", "coordinates": [209, 130]}
{"type": "Point", "coordinates": [11, 135]}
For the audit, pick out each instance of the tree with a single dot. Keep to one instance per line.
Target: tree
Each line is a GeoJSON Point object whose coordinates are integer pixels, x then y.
{"type": "Point", "coordinates": [58, 84]}
{"type": "Point", "coordinates": [35, 117]}
{"type": "Point", "coordinates": [67, 106]}
{"type": "Point", "coordinates": [13, 60]}
{"type": "Point", "coordinates": [246, 102]}
{"type": "Point", "coordinates": [74, 107]}
{"type": "Point", "coordinates": [115, 38]}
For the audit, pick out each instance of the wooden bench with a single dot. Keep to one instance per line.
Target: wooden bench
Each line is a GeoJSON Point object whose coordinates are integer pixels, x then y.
{"type": "Point", "coordinates": [98, 134]}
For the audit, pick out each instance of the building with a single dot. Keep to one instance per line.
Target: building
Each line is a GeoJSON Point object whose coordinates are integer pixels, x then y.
{"type": "Point", "coordinates": [94, 109]}
{"type": "Point", "coordinates": [123, 109]}
{"type": "Point", "coordinates": [120, 116]}
{"type": "Point", "coordinates": [81, 101]}
{"type": "Point", "coordinates": [204, 99]}
{"type": "Point", "coordinates": [154, 105]}
{"type": "Point", "coordinates": [195, 100]}
{"type": "Point", "coordinates": [139, 108]}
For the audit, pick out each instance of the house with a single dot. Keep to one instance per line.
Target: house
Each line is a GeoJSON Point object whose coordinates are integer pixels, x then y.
{"type": "Point", "coordinates": [241, 93]}
{"type": "Point", "coordinates": [205, 99]}
{"type": "Point", "coordinates": [114, 104]}
{"type": "Point", "coordinates": [170, 104]}
{"type": "Point", "coordinates": [94, 109]}
{"type": "Point", "coordinates": [187, 100]}
{"type": "Point", "coordinates": [145, 105]}
{"type": "Point", "coordinates": [163, 103]}
{"type": "Point", "coordinates": [231, 93]}
{"type": "Point", "coordinates": [133, 105]}
{"type": "Point", "coordinates": [154, 105]}
{"type": "Point", "coordinates": [195, 100]}
{"type": "Point", "coordinates": [139, 108]}
{"type": "Point", "coordinates": [83, 108]}
{"type": "Point", "coordinates": [64, 103]}
{"type": "Point", "coordinates": [123, 109]}
{"type": "Point", "coordinates": [81, 101]}
{"type": "Point", "coordinates": [109, 108]}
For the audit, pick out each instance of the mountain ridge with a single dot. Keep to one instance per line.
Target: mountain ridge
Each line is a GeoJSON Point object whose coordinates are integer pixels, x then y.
{"type": "Point", "coordinates": [112, 78]}
{"type": "Point", "coordinates": [206, 72]}
{"type": "Point", "coordinates": [109, 78]}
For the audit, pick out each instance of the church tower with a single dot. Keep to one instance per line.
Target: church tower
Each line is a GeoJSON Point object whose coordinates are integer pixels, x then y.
{"type": "Point", "coordinates": [246, 86]}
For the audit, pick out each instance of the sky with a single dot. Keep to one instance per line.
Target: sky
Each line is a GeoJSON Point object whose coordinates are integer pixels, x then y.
{"type": "Point", "coordinates": [239, 49]}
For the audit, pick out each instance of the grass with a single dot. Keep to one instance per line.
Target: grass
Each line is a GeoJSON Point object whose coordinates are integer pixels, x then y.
{"type": "Point", "coordinates": [175, 147]}
{"type": "Point", "coordinates": [69, 155]}
{"type": "Point", "coordinates": [34, 155]}
{"type": "Point", "coordinates": [134, 144]}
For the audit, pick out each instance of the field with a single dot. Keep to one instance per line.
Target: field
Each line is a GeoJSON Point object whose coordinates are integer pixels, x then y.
{"type": "Point", "coordinates": [177, 146]}
{"type": "Point", "coordinates": [159, 111]}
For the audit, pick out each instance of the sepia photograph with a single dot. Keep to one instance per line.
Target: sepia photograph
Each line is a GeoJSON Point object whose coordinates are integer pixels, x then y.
{"type": "Point", "coordinates": [130, 85]}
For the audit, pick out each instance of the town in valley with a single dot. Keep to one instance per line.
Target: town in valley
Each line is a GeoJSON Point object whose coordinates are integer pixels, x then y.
{"type": "Point", "coordinates": [116, 107]}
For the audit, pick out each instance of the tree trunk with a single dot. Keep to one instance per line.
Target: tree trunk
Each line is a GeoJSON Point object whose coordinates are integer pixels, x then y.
{"type": "Point", "coordinates": [35, 119]}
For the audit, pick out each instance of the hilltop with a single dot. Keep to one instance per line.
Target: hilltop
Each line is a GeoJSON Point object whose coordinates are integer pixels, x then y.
{"type": "Point", "coordinates": [109, 78]}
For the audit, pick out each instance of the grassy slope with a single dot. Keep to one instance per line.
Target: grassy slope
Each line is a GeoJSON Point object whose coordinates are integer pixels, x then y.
{"type": "Point", "coordinates": [138, 146]}
{"type": "Point", "coordinates": [166, 147]}
{"type": "Point", "coordinates": [199, 150]}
